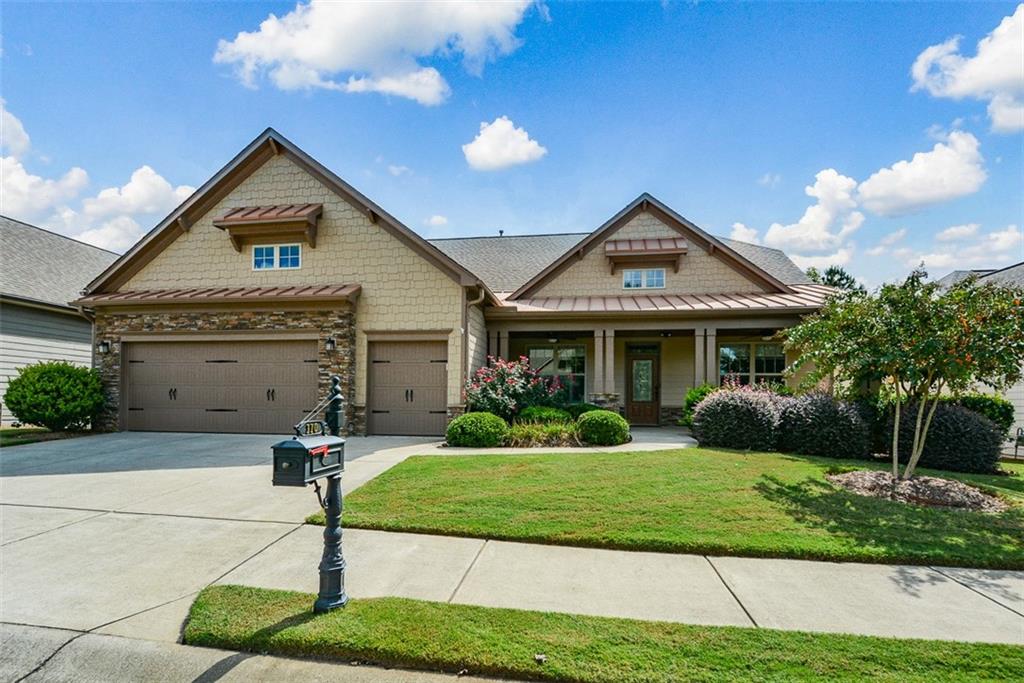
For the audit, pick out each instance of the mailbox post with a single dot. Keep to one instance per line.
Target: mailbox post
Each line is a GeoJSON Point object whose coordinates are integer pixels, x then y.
{"type": "Point", "coordinates": [308, 456]}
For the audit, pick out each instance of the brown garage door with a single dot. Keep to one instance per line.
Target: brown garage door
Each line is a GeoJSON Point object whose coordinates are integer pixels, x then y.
{"type": "Point", "coordinates": [251, 386]}
{"type": "Point", "coordinates": [407, 388]}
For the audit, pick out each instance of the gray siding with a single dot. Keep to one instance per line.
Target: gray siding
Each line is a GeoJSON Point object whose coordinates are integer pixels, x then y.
{"type": "Point", "coordinates": [29, 335]}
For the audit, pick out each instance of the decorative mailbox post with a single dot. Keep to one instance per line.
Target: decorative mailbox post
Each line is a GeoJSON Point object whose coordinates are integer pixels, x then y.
{"type": "Point", "coordinates": [308, 456]}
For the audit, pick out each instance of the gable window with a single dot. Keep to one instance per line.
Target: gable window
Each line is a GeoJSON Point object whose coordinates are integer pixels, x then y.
{"type": "Point", "coordinates": [651, 278]}
{"type": "Point", "coordinates": [752, 363]}
{"type": "Point", "coordinates": [277, 257]}
{"type": "Point", "coordinates": [566, 363]}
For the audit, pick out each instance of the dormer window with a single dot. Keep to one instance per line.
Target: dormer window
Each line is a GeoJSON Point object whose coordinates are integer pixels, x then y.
{"type": "Point", "coordinates": [650, 278]}
{"type": "Point", "coordinates": [277, 257]}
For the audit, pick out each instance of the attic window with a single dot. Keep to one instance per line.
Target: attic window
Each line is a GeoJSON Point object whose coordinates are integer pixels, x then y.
{"type": "Point", "coordinates": [656, 251]}
{"type": "Point", "coordinates": [296, 222]}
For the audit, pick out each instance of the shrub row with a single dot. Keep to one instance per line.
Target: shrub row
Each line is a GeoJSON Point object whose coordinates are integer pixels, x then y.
{"type": "Point", "coordinates": [548, 427]}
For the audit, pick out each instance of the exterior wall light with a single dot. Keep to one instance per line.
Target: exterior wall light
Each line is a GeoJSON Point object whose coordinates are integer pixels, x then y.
{"type": "Point", "coordinates": [330, 344]}
{"type": "Point", "coordinates": [104, 346]}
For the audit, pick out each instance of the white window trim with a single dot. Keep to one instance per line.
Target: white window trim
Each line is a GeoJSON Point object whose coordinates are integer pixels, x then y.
{"type": "Point", "coordinates": [643, 278]}
{"type": "Point", "coordinates": [277, 257]}
{"type": "Point", "coordinates": [566, 345]}
{"type": "Point", "coordinates": [753, 377]}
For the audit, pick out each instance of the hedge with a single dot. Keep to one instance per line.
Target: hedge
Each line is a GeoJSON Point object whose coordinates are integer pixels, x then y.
{"type": "Point", "coordinates": [477, 430]}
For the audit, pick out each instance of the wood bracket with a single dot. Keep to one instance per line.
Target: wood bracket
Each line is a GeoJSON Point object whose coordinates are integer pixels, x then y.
{"type": "Point", "coordinates": [183, 224]}
{"type": "Point", "coordinates": [274, 146]}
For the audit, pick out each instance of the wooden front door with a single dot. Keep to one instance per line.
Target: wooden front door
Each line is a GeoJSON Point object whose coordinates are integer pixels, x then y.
{"type": "Point", "coordinates": [643, 389]}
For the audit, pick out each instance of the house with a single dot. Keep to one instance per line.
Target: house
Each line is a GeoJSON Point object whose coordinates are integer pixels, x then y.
{"type": "Point", "coordinates": [1010, 276]}
{"type": "Point", "coordinates": [234, 311]}
{"type": "Point", "coordinates": [40, 272]}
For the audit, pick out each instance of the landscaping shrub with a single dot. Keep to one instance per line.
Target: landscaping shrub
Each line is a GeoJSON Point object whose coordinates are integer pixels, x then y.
{"type": "Point", "coordinates": [738, 419]}
{"type": "Point", "coordinates": [958, 440]}
{"type": "Point", "coordinates": [477, 430]}
{"type": "Point", "coordinates": [577, 409]}
{"type": "Point", "coordinates": [603, 428]}
{"type": "Point", "coordinates": [817, 424]}
{"type": "Point", "coordinates": [543, 414]}
{"type": "Point", "coordinates": [505, 387]}
{"type": "Point", "coordinates": [693, 397]}
{"type": "Point", "coordinates": [55, 395]}
{"type": "Point", "coordinates": [995, 408]}
{"type": "Point", "coordinates": [532, 434]}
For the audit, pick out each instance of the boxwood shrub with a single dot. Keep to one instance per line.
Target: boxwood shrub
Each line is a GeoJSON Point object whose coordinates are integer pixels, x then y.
{"type": "Point", "coordinates": [817, 424]}
{"type": "Point", "coordinates": [603, 428]}
{"type": "Point", "coordinates": [56, 395]}
{"type": "Point", "coordinates": [543, 414]}
{"type": "Point", "coordinates": [738, 419]}
{"type": "Point", "coordinates": [693, 397]}
{"type": "Point", "coordinates": [959, 440]}
{"type": "Point", "coordinates": [577, 409]}
{"type": "Point", "coordinates": [477, 430]}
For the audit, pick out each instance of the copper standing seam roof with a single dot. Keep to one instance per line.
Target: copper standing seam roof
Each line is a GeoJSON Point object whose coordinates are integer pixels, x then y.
{"type": "Point", "coordinates": [648, 246]}
{"type": "Point", "coordinates": [803, 297]}
{"type": "Point", "coordinates": [269, 214]}
{"type": "Point", "coordinates": [223, 294]}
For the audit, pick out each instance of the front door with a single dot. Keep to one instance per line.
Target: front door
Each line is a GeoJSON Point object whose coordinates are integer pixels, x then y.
{"type": "Point", "coordinates": [643, 388]}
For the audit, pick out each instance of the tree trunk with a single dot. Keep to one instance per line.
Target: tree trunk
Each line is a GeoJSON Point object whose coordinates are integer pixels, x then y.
{"type": "Point", "coordinates": [917, 438]}
{"type": "Point", "coordinates": [896, 443]}
{"type": "Point", "coordinates": [919, 450]}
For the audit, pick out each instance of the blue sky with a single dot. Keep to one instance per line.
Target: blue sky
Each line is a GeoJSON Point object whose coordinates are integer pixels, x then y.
{"type": "Point", "coordinates": [727, 112]}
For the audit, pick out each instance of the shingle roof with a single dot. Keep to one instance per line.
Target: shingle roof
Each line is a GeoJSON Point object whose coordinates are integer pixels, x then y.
{"type": "Point", "coordinates": [506, 263]}
{"type": "Point", "coordinates": [958, 275]}
{"type": "Point", "coordinates": [1010, 275]}
{"type": "Point", "coordinates": [43, 266]}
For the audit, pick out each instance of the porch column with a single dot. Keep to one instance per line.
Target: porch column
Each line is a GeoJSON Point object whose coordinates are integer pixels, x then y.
{"type": "Point", "coordinates": [609, 361]}
{"type": "Point", "coordinates": [598, 373]}
{"type": "Point", "coordinates": [712, 356]}
{"type": "Point", "coordinates": [503, 345]}
{"type": "Point", "coordinates": [699, 364]}
{"type": "Point", "coordinates": [492, 342]}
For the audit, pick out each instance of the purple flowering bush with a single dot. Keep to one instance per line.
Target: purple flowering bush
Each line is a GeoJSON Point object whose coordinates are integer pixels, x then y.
{"type": "Point", "coordinates": [505, 387]}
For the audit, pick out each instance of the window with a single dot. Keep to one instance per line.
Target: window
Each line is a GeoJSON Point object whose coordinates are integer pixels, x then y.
{"type": "Point", "coordinates": [752, 363]}
{"type": "Point", "coordinates": [567, 363]}
{"type": "Point", "coordinates": [277, 257]}
{"type": "Point", "coordinates": [652, 278]}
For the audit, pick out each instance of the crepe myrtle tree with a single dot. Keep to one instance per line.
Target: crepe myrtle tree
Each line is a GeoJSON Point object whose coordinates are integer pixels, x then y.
{"type": "Point", "coordinates": [918, 339]}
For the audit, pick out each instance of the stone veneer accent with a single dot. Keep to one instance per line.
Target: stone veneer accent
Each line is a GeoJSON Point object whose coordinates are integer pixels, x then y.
{"type": "Point", "coordinates": [338, 323]}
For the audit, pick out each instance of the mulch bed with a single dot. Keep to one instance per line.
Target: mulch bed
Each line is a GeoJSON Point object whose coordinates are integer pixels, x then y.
{"type": "Point", "coordinates": [927, 491]}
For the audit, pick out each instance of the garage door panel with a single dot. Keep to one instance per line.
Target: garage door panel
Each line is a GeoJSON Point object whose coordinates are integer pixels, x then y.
{"type": "Point", "coordinates": [406, 375]}
{"type": "Point", "coordinates": [407, 423]}
{"type": "Point", "coordinates": [407, 388]}
{"type": "Point", "coordinates": [416, 352]}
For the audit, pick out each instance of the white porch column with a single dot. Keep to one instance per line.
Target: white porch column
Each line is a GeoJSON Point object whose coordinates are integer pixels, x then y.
{"type": "Point", "coordinates": [712, 376]}
{"type": "Point", "coordinates": [699, 364]}
{"type": "Point", "coordinates": [597, 386]}
{"type": "Point", "coordinates": [609, 361]}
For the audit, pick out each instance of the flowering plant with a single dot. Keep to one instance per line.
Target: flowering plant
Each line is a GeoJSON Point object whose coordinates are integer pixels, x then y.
{"type": "Point", "coordinates": [504, 387]}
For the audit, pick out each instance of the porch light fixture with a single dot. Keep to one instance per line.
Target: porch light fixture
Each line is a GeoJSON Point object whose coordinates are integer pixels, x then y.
{"type": "Point", "coordinates": [104, 346]}
{"type": "Point", "coordinates": [330, 344]}
{"type": "Point", "coordinates": [552, 340]}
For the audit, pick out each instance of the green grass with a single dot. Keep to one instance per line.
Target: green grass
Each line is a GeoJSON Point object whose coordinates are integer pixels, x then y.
{"type": "Point", "coordinates": [687, 501]}
{"type": "Point", "coordinates": [16, 436]}
{"type": "Point", "coordinates": [503, 642]}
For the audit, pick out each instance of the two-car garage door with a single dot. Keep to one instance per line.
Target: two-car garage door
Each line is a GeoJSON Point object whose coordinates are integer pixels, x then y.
{"type": "Point", "coordinates": [243, 386]}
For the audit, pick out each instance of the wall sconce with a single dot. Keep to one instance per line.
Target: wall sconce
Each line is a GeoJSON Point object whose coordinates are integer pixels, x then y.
{"type": "Point", "coordinates": [104, 346]}
{"type": "Point", "coordinates": [330, 345]}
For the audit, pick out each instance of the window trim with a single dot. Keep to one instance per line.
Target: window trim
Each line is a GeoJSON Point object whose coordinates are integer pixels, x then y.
{"type": "Point", "coordinates": [753, 377]}
{"type": "Point", "coordinates": [276, 256]}
{"type": "Point", "coordinates": [565, 345]}
{"type": "Point", "coordinates": [643, 278]}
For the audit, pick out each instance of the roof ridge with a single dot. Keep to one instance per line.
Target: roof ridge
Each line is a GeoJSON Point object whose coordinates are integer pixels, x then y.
{"type": "Point", "coordinates": [57, 234]}
{"type": "Point", "coordinates": [504, 237]}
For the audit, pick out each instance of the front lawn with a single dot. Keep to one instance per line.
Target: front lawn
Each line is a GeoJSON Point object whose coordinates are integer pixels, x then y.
{"type": "Point", "coordinates": [504, 642]}
{"type": "Point", "coordinates": [691, 500]}
{"type": "Point", "coordinates": [16, 436]}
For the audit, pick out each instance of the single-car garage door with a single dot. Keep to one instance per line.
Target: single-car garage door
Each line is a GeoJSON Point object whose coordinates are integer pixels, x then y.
{"type": "Point", "coordinates": [244, 386]}
{"type": "Point", "coordinates": [407, 388]}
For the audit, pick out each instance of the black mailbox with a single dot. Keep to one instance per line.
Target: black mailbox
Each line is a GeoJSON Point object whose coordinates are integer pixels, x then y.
{"type": "Point", "coordinates": [301, 460]}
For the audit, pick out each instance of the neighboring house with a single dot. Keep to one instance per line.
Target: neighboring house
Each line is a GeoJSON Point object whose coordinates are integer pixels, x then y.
{"type": "Point", "coordinates": [40, 272]}
{"type": "Point", "coordinates": [232, 314]}
{"type": "Point", "coordinates": [1009, 276]}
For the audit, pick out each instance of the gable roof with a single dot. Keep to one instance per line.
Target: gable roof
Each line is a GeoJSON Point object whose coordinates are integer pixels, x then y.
{"type": "Point", "coordinates": [647, 202]}
{"type": "Point", "coordinates": [39, 266]}
{"type": "Point", "coordinates": [268, 144]}
{"type": "Point", "coordinates": [956, 276]}
{"type": "Point", "coordinates": [1010, 275]}
{"type": "Point", "coordinates": [771, 260]}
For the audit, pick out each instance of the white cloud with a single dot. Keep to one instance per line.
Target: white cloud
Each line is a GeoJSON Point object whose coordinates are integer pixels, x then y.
{"type": "Point", "coordinates": [377, 45]}
{"type": "Point", "coordinates": [952, 169]}
{"type": "Point", "coordinates": [436, 221]}
{"type": "Point", "coordinates": [989, 250]}
{"type": "Point", "coordinates": [398, 170]}
{"type": "Point", "coordinates": [994, 74]}
{"type": "Point", "coordinates": [958, 232]}
{"type": "Point", "coordinates": [500, 144]}
{"type": "Point", "coordinates": [839, 258]}
{"type": "Point", "coordinates": [147, 192]}
{"type": "Point", "coordinates": [13, 138]}
{"type": "Point", "coordinates": [770, 180]}
{"type": "Point", "coordinates": [28, 197]}
{"type": "Point", "coordinates": [825, 224]}
{"type": "Point", "coordinates": [742, 233]}
{"type": "Point", "coordinates": [887, 241]}
{"type": "Point", "coordinates": [116, 234]}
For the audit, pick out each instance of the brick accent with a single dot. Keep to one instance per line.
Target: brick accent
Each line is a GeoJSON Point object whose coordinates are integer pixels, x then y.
{"type": "Point", "coordinates": [338, 323]}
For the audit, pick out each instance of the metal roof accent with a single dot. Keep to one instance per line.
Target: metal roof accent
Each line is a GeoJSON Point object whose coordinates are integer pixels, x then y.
{"type": "Point", "coordinates": [266, 214]}
{"type": "Point", "coordinates": [298, 293]}
{"type": "Point", "coordinates": [647, 246]}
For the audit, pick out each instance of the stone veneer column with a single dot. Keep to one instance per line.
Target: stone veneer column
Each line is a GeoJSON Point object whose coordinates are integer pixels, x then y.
{"type": "Point", "coordinates": [711, 356]}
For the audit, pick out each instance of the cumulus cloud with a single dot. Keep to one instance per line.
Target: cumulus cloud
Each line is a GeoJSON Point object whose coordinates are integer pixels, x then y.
{"type": "Point", "coordinates": [958, 232]}
{"type": "Point", "coordinates": [373, 46]}
{"type": "Point", "coordinates": [988, 250]}
{"type": "Point", "coordinates": [500, 144]}
{"type": "Point", "coordinates": [838, 258]}
{"type": "Point", "coordinates": [117, 234]}
{"type": "Point", "coordinates": [742, 233]}
{"type": "Point", "coordinates": [436, 221]}
{"type": "Point", "coordinates": [887, 241]}
{"type": "Point", "coordinates": [993, 74]}
{"type": "Point", "coordinates": [13, 138]}
{"type": "Point", "coordinates": [28, 196]}
{"type": "Point", "coordinates": [825, 224]}
{"type": "Point", "coordinates": [398, 170]}
{"type": "Point", "coordinates": [952, 169]}
{"type": "Point", "coordinates": [146, 192]}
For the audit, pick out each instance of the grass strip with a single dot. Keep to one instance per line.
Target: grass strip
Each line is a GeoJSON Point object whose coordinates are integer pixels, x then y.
{"type": "Point", "coordinates": [691, 500]}
{"type": "Point", "coordinates": [503, 642]}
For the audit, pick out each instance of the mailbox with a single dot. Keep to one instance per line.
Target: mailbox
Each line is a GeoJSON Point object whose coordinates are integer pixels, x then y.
{"type": "Point", "coordinates": [301, 460]}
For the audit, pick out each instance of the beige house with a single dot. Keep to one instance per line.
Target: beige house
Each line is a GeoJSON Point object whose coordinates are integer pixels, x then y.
{"type": "Point", "coordinates": [232, 314]}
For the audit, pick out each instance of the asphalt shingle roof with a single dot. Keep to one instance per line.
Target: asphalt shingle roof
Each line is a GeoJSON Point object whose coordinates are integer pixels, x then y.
{"type": "Point", "coordinates": [1010, 275]}
{"type": "Point", "coordinates": [44, 266]}
{"type": "Point", "coordinates": [506, 263]}
{"type": "Point", "coordinates": [958, 275]}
